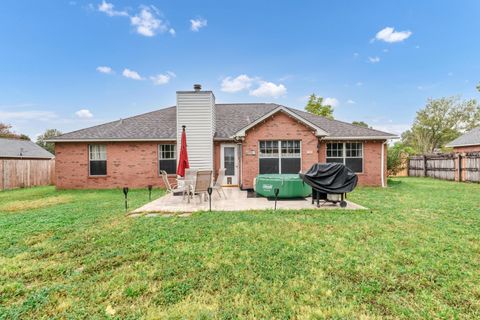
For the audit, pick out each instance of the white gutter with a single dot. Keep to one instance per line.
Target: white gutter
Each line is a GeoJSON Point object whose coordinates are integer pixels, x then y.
{"type": "Point", "coordinates": [383, 163]}
{"type": "Point", "coordinates": [362, 138]}
{"type": "Point", "coordinates": [106, 140]}
{"type": "Point", "coordinates": [462, 145]}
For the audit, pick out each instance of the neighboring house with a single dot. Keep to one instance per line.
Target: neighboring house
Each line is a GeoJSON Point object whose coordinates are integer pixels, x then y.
{"type": "Point", "coordinates": [468, 142]}
{"type": "Point", "coordinates": [22, 149]}
{"type": "Point", "coordinates": [246, 139]}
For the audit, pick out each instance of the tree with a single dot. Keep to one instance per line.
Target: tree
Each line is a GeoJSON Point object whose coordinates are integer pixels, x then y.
{"type": "Point", "coordinates": [361, 124]}
{"type": "Point", "coordinates": [441, 121]}
{"type": "Point", "coordinates": [397, 157]}
{"type": "Point", "coordinates": [315, 106]}
{"type": "Point", "coordinates": [6, 132]}
{"type": "Point", "coordinates": [49, 133]}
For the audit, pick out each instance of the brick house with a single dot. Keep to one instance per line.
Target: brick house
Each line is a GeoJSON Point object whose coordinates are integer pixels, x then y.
{"type": "Point", "coordinates": [246, 139]}
{"type": "Point", "coordinates": [468, 142]}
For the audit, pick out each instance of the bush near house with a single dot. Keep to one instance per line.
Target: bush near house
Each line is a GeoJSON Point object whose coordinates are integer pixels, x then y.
{"type": "Point", "coordinates": [74, 254]}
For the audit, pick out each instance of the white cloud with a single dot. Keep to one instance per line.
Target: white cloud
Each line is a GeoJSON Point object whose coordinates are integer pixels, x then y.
{"type": "Point", "coordinates": [28, 115]}
{"type": "Point", "coordinates": [356, 54]}
{"type": "Point", "coordinates": [359, 84]}
{"type": "Point", "coordinates": [331, 102]}
{"type": "Point", "coordinates": [147, 22]}
{"type": "Point", "coordinates": [172, 32]}
{"type": "Point", "coordinates": [105, 69]}
{"type": "Point", "coordinates": [350, 101]}
{"type": "Point", "coordinates": [108, 9]}
{"type": "Point", "coordinates": [389, 35]}
{"type": "Point", "coordinates": [161, 79]}
{"type": "Point", "coordinates": [84, 114]}
{"type": "Point", "coordinates": [197, 24]}
{"type": "Point", "coordinates": [269, 89]}
{"type": "Point", "coordinates": [450, 74]}
{"type": "Point", "coordinates": [242, 82]}
{"type": "Point", "coordinates": [385, 50]}
{"type": "Point", "coordinates": [373, 59]}
{"type": "Point", "coordinates": [127, 73]}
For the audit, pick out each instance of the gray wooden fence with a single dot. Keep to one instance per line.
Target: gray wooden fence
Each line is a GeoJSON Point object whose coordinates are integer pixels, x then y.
{"type": "Point", "coordinates": [455, 167]}
{"type": "Point", "coordinates": [23, 173]}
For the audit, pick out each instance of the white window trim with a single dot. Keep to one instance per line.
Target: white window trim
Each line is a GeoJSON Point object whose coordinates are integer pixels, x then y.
{"type": "Point", "coordinates": [344, 153]}
{"type": "Point", "coordinates": [90, 160]}
{"type": "Point", "coordinates": [279, 157]}
{"type": "Point", "coordinates": [158, 157]}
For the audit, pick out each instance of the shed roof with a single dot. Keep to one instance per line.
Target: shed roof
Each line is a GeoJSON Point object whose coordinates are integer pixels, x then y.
{"type": "Point", "coordinates": [470, 138]}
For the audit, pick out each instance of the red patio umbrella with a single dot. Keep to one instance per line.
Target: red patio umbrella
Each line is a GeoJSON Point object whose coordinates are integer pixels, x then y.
{"type": "Point", "coordinates": [183, 161]}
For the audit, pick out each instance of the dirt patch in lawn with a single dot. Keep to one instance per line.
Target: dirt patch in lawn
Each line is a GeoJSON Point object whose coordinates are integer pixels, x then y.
{"type": "Point", "coordinates": [22, 205]}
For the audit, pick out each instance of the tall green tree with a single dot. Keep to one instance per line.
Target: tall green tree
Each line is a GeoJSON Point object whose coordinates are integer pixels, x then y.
{"type": "Point", "coordinates": [441, 121]}
{"type": "Point", "coordinates": [361, 124]}
{"type": "Point", "coordinates": [315, 105]}
{"type": "Point", "coordinates": [49, 133]}
{"type": "Point", "coordinates": [7, 132]}
{"type": "Point", "coordinates": [396, 157]}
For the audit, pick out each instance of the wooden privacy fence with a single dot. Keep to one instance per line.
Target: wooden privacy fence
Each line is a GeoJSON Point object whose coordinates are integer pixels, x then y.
{"type": "Point", "coordinates": [22, 173]}
{"type": "Point", "coordinates": [455, 167]}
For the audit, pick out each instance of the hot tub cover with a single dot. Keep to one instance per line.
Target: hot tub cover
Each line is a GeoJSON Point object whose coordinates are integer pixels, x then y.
{"type": "Point", "coordinates": [330, 178]}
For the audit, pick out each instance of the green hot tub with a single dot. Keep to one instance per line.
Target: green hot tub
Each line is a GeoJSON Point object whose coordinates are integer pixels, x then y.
{"type": "Point", "coordinates": [289, 185]}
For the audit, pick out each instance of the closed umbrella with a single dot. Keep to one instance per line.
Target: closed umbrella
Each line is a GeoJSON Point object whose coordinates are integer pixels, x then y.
{"type": "Point", "coordinates": [183, 161]}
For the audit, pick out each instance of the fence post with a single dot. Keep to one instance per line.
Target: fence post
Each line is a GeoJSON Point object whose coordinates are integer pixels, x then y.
{"type": "Point", "coordinates": [459, 167]}
{"type": "Point", "coordinates": [424, 165]}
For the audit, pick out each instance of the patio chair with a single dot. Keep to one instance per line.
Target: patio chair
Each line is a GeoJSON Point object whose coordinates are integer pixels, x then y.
{"type": "Point", "coordinates": [202, 183]}
{"type": "Point", "coordinates": [218, 183]}
{"type": "Point", "coordinates": [189, 179]}
{"type": "Point", "coordinates": [173, 188]}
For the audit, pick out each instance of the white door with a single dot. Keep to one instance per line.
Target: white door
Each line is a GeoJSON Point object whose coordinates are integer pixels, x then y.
{"type": "Point", "coordinates": [229, 162]}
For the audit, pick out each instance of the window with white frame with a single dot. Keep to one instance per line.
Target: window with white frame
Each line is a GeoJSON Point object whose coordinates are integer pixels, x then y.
{"type": "Point", "coordinates": [348, 153]}
{"type": "Point", "coordinates": [279, 156]}
{"type": "Point", "coordinates": [167, 158]}
{"type": "Point", "coordinates": [97, 156]}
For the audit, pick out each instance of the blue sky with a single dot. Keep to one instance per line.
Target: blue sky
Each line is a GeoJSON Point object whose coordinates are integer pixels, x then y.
{"type": "Point", "coordinates": [73, 64]}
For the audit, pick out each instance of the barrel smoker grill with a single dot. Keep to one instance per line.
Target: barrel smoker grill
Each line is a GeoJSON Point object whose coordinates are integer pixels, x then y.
{"type": "Point", "coordinates": [330, 182]}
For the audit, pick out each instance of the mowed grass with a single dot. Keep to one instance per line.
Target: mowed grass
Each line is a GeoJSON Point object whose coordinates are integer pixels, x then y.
{"type": "Point", "coordinates": [414, 254]}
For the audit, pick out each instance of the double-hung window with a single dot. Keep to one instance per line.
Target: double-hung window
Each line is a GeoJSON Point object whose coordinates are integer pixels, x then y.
{"type": "Point", "coordinates": [97, 155]}
{"type": "Point", "coordinates": [282, 156]}
{"type": "Point", "coordinates": [348, 153]}
{"type": "Point", "coordinates": [167, 158]}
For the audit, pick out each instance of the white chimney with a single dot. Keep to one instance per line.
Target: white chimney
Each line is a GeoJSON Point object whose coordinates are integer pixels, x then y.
{"type": "Point", "coordinates": [196, 111]}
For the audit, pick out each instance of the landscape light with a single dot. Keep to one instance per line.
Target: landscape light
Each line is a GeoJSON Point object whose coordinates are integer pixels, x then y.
{"type": "Point", "coordinates": [276, 191]}
{"type": "Point", "coordinates": [125, 192]}
{"type": "Point", "coordinates": [149, 192]}
{"type": "Point", "coordinates": [209, 191]}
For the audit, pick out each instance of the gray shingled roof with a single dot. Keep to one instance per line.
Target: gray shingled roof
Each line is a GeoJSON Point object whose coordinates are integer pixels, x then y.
{"type": "Point", "coordinates": [231, 118]}
{"type": "Point", "coordinates": [14, 148]}
{"type": "Point", "coordinates": [470, 138]}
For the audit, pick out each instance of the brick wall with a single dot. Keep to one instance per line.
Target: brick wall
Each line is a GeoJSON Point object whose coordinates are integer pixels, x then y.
{"type": "Point", "coordinates": [132, 164]}
{"type": "Point", "coordinates": [372, 155]}
{"type": "Point", "coordinates": [467, 149]}
{"type": "Point", "coordinates": [135, 164]}
{"type": "Point", "coordinates": [278, 127]}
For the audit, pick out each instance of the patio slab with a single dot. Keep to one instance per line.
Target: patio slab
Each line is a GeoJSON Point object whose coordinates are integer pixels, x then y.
{"type": "Point", "coordinates": [236, 200]}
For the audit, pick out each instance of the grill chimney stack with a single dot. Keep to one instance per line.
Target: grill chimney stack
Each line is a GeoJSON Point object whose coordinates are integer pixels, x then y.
{"type": "Point", "coordinates": [197, 87]}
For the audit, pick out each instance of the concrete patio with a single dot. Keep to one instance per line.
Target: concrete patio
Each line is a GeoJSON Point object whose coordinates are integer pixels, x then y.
{"type": "Point", "coordinates": [236, 200]}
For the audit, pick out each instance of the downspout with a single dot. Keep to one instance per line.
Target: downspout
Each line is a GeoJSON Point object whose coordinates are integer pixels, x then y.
{"type": "Point", "coordinates": [383, 163]}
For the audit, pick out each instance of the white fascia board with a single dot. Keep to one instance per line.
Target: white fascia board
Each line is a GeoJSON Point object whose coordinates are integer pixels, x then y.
{"type": "Point", "coordinates": [363, 138]}
{"type": "Point", "coordinates": [107, 140]}
{"type": "Point", "coordinates": [462, 145]}
{"type": "Point", "coordinates": [319, 131]}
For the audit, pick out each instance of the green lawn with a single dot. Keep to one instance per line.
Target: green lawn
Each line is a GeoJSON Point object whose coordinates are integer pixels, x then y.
{"type": "Point", "coordinates": [74, 254]}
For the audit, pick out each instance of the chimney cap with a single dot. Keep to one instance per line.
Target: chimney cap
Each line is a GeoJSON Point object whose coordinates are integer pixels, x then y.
{"type": "Point", "coordinates": [197, 87]}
